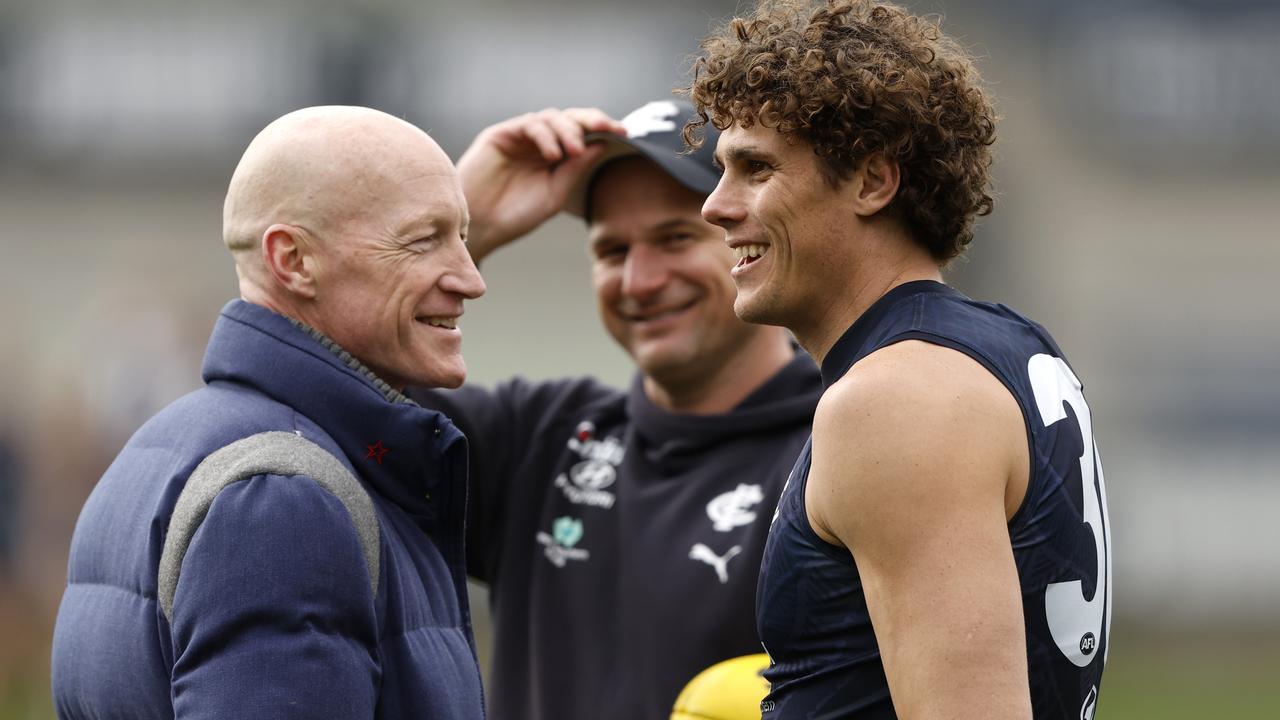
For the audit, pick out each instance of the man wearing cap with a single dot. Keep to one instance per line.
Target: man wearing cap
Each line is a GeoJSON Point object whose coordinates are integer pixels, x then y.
{"type": "Point", "coordinates": [620, 532]}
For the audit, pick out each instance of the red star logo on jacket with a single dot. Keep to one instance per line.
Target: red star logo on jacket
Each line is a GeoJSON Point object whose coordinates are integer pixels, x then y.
{"type": "Point", "coordinates": [375, 452]}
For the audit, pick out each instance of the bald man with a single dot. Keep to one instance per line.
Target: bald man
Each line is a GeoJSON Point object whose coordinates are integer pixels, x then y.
{"type": "Point", "coordinates": [286, 541]}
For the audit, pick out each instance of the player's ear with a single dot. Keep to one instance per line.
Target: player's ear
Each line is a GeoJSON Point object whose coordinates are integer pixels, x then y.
{"type": "Point", "coordinates": [875, 182]}
{"type": "Point", "coordinates": [287, 254]}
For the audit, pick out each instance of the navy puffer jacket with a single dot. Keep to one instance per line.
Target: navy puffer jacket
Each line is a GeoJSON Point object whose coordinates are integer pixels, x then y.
{"type": "Point", "coordinates": [275, 614]}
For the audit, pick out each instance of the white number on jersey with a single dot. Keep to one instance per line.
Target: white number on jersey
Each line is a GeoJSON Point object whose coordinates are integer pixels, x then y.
{"type": "Point", "coordinates": [1076, 622]}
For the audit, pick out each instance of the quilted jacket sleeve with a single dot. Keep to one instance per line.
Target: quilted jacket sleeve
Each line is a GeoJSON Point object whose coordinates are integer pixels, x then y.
{"type": "Point", "coordinates": [273, 614]}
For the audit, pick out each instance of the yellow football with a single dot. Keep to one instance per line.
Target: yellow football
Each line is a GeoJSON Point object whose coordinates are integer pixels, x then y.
{"type": "Point", "coordinates": [729, 690]}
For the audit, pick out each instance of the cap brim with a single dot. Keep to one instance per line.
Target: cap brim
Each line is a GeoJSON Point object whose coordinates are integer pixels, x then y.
{"type": "Point", "coordinates": [682, 168]}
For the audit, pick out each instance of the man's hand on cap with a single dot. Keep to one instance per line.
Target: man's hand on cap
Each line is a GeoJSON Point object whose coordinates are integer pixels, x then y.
{"type": "Point", "coordinates": [518, 173]}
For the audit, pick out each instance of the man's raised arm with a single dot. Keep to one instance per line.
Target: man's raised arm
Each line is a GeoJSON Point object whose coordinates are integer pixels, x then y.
{"type": "Point", "coordinates": [518, 173]}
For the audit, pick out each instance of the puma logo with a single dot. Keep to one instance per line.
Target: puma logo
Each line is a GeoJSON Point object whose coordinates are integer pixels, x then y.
{"type": "Point", "coordinates": [708, 556]}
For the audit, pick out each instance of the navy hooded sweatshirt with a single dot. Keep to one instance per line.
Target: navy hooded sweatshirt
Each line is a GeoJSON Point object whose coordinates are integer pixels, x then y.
{"type": "Point", "coordinates": [620, 542]}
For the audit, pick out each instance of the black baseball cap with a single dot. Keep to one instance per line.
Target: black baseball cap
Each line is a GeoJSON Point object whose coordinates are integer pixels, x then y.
{"type": "Point", "coordinates": [654, 131]}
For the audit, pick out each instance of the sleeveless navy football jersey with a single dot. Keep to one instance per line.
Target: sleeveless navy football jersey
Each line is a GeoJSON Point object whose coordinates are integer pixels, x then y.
{"type": "Point", "coordinates": [813, 617]}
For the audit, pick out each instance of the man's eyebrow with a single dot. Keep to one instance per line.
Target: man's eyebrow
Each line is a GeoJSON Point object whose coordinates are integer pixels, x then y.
{"type": "Point", "coordinates": [663, 226]}
{"type": "Point", "coordinates": [601, 240]}
{"type": "Point", "coordinates": [671, 224]}
{"type": "Point", "coordinates": [418, 228]}
{"type": "Point", "coordinates": [415, 229]}
{"type": "Point", "coordinates": [740, 153]}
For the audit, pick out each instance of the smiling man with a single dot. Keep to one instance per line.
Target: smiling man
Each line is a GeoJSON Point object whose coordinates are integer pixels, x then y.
{"type": "Point", "coordinates": [286, 542]}
{"type": "Point", "coordinates": [942, 547]}
{"type": "Point", "coordinates": [620, 532]}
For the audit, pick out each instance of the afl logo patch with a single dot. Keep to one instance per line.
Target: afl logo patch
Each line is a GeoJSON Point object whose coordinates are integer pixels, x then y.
{"type": "Point", "coordinates": [1088, 644]}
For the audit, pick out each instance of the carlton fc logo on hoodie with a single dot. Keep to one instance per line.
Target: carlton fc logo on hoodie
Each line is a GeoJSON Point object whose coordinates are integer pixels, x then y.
{"type": "Point", "coordinates": [587, 480]}
{"type": "Point", "coordinates": [734, 508]}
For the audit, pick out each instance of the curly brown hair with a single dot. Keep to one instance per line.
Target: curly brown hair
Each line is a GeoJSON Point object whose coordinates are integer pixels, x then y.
{"type": "Point", "coordinates": [855, 77]}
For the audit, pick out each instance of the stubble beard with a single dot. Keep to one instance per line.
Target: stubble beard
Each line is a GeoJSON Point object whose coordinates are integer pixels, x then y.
{"type": "Point", "coordinates": [760, 307]}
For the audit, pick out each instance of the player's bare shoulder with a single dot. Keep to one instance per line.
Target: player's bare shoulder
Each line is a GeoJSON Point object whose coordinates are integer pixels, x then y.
{"type": "Point", "coordinates": [919, 394]}
{"type": "Point", "coordinates": [913, 423]}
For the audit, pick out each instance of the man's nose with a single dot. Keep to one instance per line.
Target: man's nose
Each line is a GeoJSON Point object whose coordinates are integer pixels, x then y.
{"type": "Point", "coordinates": [463, 277]}
{"type": "Point", "coordinates": [644, 272]}
{"type": "Point", "coordinates": [722, 206]}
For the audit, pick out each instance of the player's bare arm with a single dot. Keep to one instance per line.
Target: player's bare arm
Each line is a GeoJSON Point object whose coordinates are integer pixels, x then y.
{"type": "Point", "coordinates": [518, 173]}
{"type": "Point", "coordinates": [918, 479]}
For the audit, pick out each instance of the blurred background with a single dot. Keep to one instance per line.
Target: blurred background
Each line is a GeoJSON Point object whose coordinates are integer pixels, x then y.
{"type": "Point", "coordinates": [1139, 179]}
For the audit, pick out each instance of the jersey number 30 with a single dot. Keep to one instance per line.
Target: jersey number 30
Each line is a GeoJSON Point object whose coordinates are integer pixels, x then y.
{"type": "Point", "coordinates": [1075, 621]}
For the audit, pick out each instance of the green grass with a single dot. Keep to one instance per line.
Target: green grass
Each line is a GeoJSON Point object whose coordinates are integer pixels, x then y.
{"type": "Point", "coordinates": [1201, 680]}
{"type": "Point", "coordinates": [1145, 678]}
{"type": "Point", "coordinates": [26, 697]}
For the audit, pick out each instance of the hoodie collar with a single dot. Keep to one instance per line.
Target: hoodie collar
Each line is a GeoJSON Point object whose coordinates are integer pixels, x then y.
{"type": "Point", "coordinates": [784, 399]}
